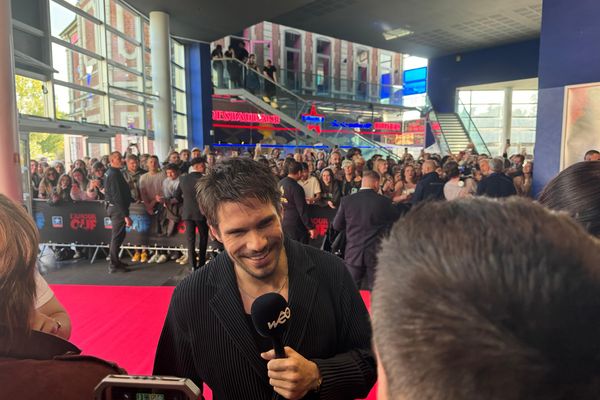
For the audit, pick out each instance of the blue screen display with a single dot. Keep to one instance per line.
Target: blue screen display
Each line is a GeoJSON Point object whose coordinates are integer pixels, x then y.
{"type": "Point", "coordinates": [415, 81]}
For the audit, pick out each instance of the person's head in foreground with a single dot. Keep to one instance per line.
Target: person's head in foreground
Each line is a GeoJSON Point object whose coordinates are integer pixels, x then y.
{"type": "Point", "coordinates": [505, 310]}
{"type": "Point", "coordinates": [18, 255]}
{"type": "Point", "coordinates": [576, 190]}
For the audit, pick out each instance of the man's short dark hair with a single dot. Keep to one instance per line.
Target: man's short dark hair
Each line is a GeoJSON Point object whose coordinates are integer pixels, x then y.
{"type": "Point", "coordinates": [132, 157]}
{"type": "Point", "coordinates": [237, 180]}
{"type": "Point", "coordinates": [370, 174]}
{"type": "Point", "coordinates": [490, 312]}
{"type": "Point", "coordinates": [172, 167]}
{"type": "Point", "coordinates": [293, 167]}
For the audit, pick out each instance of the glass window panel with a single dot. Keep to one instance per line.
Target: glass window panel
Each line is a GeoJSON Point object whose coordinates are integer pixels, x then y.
{"type": "Point", "coordinates": [149, 118]}
{"type": "Point", "coordinates": [465, 96]}
{"type": "Point", "coordinates": [146, 27]}
{"type": "Point", "coordinates": [123, 20]}
{"type": "Point", "coordinates": [75, 29]}
{"type": "Point", "coordinates": [76, 67]}
{"type": "Point", "coordinates": [178, 53]}
{"type": "Point", "coordinates": [148, 85]}
{"type": "Point", "coordinates": [181, 144]}
{"type": "Point", "coordinates": [126, 94]}
{"type": "Point", "coordinates": [125, 114]}
{"type": "Point", "coordinates": [78, 105]}
{"type": "Point", "coordinates": [180, 124]}
{"type": "Point", "coordinates": [91, 7]}
{"type": "Point", "coordinates": [525, 97]}
{"type": "Point", "coordinates": [292, 40]}
{"type": "Point", "coordinates": [323, 47]}
{"type": "Point", "coordinates": [178, 77]}
{"type": "Point", "coordinates": [523, 122]}
{"type": "Point", "coordinates": [524, 110]}
{"type": "Point", "coordinates": [179, 101]}
{"type": "Point", "coordinates": [487, 97]}
{"type": "Point", "coordinates": [123, 51]}
{"type": "Point", "coordinates": [31, 99]}
{"type": "Point", "coordinates": [487, 122]}
{"type": "Point", "coordinates": [125, 79]}
{"type": "Point", "coordinates": [147, 63]}
{"type": "Point", "coordinates": [487, 110]}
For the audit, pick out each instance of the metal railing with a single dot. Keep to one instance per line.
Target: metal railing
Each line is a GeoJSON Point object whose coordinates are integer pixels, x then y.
{"type": "Point", "coordinates": [470, 128]}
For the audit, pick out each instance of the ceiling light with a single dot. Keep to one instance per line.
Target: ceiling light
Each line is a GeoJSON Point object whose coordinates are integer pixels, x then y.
{"type": "Point", "coordinates": [396, 33]}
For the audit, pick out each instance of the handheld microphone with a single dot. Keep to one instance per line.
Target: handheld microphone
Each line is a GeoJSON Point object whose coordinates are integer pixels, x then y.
{"type": "Point", "coordinates": [270, 314]}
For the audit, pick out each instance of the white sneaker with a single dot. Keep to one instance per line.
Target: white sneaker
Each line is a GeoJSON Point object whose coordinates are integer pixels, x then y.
{"type": "Point", "coordinates": [183, 260]}
{"type": "Point", "coordinates": [153, 258]}
{"type": "Point", "coordinates": [162, 259]}
{"type": "Point", "coordinates": [178, 261]}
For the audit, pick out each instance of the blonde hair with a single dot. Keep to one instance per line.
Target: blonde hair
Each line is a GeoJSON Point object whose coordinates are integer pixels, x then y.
{"type": "Point", "coordinates": [19, 240]}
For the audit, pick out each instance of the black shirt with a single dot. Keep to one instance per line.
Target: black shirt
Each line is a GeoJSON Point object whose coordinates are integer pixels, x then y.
{"type": "Point", "coordinates": [262, 343]}
{"type": "Point", "coordinates": [117, 192]}
{"type": "Point", "coordinates": [270, 71]}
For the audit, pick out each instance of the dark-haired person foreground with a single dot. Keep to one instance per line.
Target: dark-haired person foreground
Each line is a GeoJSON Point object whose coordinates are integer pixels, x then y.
{"type": "Point", "coordinates": [208, 334]}
{"type": "Point", "coordinates": [576, 190]}
{"type": "Point", "coordinates": [490, 312]}
{"type": "Point", "coordinates": [35, 363]}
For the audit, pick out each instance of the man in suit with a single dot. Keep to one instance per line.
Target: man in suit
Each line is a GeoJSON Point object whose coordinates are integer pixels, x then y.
{"type": "Point", "coordinates": [118, 199]}
{"type": "Point", "coordinates": [497, 184]}
{"type": "Point", "coordinates": [364, 217]}
{"type": "Point", "coordinates": [186, 193]}
{"type": "Point", "coordinates": [296, 224]}
{"type": "Point", "coordinates": [430, 186]}
{"type": "Point", "coordinates": [208, 334]}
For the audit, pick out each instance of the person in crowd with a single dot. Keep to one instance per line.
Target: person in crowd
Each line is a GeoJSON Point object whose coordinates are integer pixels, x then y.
{"type": "Point", "coordinates": [386, 184]}
{"type": "Point", "coordinates": [350, 181]}
{"type": "Point", "coordinates": [35, 178]}
{"type": "Point", "coordinates": [497, 184]}
{"type": "Point", "coordinates": [170, 183]}
{"type": "Point", "coordinates": [78, 164]}
{"type": "Point", "coordinates": [132, 174]}
{"type": "Point", "coordinates": [233, 69]}
{"type": "Point", "coordinates": [144, 161]}
{"type": "Point", "coordinates": [270, 72]}
{"type": "Point", "coordinates": [430, 186]}
{"type": "Point", "coordinates": [118, 199]}
{"type": "Point", "coordinates": [310, 185]}
{"type": "Point", "coordinates": [523, 182]}
{"type": "Point", "coordinates": [320, 166]}
{"type": "Point", "coordinates": [186, 194]}
{"type": "Point", "coordinates": [185, 155]}
{"type": "Point", "coordinates": [516, 168]}
{"type": "Point", "coordinates": [211, 160]}
{"type": "Point", "coordinates": [364, 217]}
{"type": "Point", "coordinates": [352, 152]}
{"type": "Point", "coordinates": [105, 160]}
{"type": "Point", "coordinates": [151, 187]}
{"type": "Point", "coordinates": [490, 311]}
{"type": "Point", "coordinates": [241, 53]}
{"type": "Point", "coordinates": [296, 224]}
{"type": "Point", "coordinates": [60, 168]}
{"type": "Point", "coordinates": [576, 191]}
{"type": "Point", "coordinates": [62, 194]}
{"type": "Point", "coordinates": [95, 189]}
{"type": "Point", "coordinates": [405, 184]}
{"type": "Point", "coordinates": [327, 345]}
{"type": "Point", "coordinates": [196, 152]}
{"type": "Point", "coordinates": [48, 183]}
{"type": "Point", "coordinates": [331, 190]}
{"type": "Point", "coordinates": [592, 155]}
{"type": "Point", "coordinates": [79, 186]}
{"type": "Point", "coordinates": [359, 164]}
{"type": "Point", "coordinates": [41, 169]}
{"type": "Point", "coordinates": [335, 164]}
{"type": "Point", "coordinates": [173, 158]}
{"type": "Point", "coordinates": [455, 187]}
{"type": "Point", "coordinates": [253, 75]}
{"type": "Point", "coordinates": [217, 63]}
{"type": "Point", "coordinates": [34, 325]}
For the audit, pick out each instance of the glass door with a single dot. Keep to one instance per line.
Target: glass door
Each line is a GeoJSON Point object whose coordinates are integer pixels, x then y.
{"type": "Point", "coordinates": [25, 160]}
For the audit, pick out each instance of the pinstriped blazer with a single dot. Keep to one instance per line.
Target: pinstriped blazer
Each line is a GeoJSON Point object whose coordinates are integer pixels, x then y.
{"type": "Point", "coordinates": [206, 336]}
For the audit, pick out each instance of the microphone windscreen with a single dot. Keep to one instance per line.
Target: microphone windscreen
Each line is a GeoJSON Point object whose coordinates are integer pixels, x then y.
{"type": "Point", "coordinates": [270, 313]}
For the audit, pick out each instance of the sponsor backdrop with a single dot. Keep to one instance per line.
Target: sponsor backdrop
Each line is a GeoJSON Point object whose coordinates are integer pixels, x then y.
{"type": "Point", "coordinates": [86, 223]}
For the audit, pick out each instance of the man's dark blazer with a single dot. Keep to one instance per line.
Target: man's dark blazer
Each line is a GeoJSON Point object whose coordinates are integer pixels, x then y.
{"type": "Point", "coordinates": [364, 216]}
{"type": "Point", "coordinates": [496, 185]}
{"type": "Point", "coordinates": [295, 210]}
{"type": "Point", "coordinates": [429, 187]}
{"type": "Point", "coordinates": [186, 193]}
{"type": "Point", "coordinates": [207, 338]}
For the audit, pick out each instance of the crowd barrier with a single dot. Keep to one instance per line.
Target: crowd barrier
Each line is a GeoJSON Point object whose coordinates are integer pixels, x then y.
{"type": "Point", "coordinates": [86, 224]}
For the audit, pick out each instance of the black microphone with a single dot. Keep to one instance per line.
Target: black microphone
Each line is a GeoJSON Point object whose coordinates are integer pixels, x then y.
{"type": "Point", "coordinates": [270, 314]}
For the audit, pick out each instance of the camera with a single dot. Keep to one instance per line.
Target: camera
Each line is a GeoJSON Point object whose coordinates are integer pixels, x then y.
{"type": "Point", "coordinates": [130, 387]}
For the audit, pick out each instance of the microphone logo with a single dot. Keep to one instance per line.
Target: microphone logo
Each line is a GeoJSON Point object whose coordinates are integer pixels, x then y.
{"type": "Point", "coordinates": [283, 317]}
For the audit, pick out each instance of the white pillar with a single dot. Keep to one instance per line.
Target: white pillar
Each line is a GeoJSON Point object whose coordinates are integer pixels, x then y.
{"type": "Point", "coordinates": [507, 120]}
{"type": "Point", "coordinates": [10, 168]}
{"type": "Point", "coordinates": [160, 43]}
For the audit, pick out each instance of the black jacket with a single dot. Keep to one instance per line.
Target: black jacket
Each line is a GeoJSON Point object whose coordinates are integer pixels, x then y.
{"type": "Point", "coordinates": [186, 194]}
{"type": "Point", "coordinates": [364, 217]}
{"type": "Point", "coordinates": [429, 187]}
{"type": "Point", "coordinates": [116, 190]}
{"type": "Point", "coordinates": [295, 210]}
{"type": "Point", "coordinates": [496, 185]}
{"type": "Point", "coordinates": [207, 338]}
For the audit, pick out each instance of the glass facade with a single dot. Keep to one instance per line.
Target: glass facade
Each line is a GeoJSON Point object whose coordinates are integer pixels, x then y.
{"type": "Point", "coordinates": [102, 60]}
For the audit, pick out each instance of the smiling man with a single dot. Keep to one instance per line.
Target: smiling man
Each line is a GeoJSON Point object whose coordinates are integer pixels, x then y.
{"type": "Point", "coordinates": [208, 334]}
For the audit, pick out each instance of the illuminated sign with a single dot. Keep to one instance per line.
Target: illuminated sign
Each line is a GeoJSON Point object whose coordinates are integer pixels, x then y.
{"type": "Point", "coordinates": [388, 126]}
{"type": "Point", "coordinates": [313, 119]}
{"type": "Point", "coordinates": [235, 116]}
{"type": "Point", "coordinates": [352, 125]}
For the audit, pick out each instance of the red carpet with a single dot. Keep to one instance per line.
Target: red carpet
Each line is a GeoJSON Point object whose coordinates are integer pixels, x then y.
{"type": "Point", "coordinates": [122, 323]}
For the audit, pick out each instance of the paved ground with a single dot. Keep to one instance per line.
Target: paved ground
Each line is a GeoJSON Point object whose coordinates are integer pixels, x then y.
{"type": "Point", "coordinates": [81, 272]}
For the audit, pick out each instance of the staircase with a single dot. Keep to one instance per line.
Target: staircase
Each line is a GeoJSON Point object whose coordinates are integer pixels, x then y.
{"type": "Point", "coordinates": [454, 132]}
